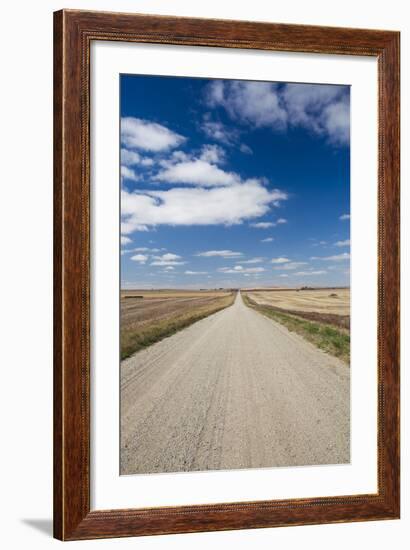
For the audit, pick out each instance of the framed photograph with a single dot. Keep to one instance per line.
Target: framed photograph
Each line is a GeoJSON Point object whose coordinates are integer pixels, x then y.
{"type": "Point", "coordinates": [226, 275]}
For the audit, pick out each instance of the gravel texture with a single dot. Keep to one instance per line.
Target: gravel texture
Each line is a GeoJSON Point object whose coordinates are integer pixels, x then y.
{"type": "Point", "coordinates": [235, 390]}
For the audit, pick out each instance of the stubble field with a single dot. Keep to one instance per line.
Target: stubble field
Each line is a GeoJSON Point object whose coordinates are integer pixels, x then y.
{"type": "Point", "coordinates": [321, 316]}
{"type": "Point", "coordinates": [326, 305]}
{"type": "Point", "coordinates": [147, 316]}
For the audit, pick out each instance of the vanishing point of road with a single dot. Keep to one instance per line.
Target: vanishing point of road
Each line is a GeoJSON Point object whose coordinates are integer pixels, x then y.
{"type": "Point", "coordinates": [235, 390]}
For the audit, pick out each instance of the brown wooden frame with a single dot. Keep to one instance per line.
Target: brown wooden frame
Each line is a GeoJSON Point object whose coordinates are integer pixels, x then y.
{"type": "Point", "coordinates": [73, 33]}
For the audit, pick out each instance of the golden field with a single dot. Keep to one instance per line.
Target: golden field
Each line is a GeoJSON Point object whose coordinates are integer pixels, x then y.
{"type": "Point", "coordinates": [321, 316]}
{"type": "Point", "coordinates": [147, 316]}
{"type": "Point", "coordinates": [333, 301]}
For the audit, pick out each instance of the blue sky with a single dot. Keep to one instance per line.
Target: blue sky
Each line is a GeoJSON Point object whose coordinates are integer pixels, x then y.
{"type": "Point", "coordinates": [233, 183]}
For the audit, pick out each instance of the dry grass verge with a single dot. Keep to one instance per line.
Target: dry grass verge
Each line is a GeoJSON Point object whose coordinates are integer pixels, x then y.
{"type": "Point", "coordinates": [164, 319]}
{"type": "Point", "coordinates": [331, 339]}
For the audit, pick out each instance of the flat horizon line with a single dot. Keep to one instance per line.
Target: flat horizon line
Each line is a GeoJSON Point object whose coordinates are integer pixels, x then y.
{"type": "Point", "coordinates": [298, 287]}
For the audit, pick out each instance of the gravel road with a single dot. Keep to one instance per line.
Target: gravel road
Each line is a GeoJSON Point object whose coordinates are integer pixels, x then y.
{"type": "Point", "coordinates": [235, 390]}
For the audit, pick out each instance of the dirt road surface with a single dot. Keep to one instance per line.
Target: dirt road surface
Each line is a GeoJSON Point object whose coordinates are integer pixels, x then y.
{"type": "Point", "coordinates": [235, 390]}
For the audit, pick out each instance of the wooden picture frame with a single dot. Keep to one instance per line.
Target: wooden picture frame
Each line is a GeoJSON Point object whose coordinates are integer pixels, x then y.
{"type": "Point", "coordinates": [74, 32]}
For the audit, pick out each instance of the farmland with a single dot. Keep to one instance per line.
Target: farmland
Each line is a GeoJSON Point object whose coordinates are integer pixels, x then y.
{"type": "Point", "coordinates": [321, 316]}
{"type": "Point", "coordinates": [324, 305]}
{"type": "Point", "coordinates": [233, 391]}
{"type": "Point", "coordinates": [148, 316]}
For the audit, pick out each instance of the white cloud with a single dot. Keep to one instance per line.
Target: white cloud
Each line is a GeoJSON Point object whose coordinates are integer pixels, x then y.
{"type": "Point", "coordinates": [198, 169]}
{"type": "Point", "coordinates": [343, 243]}
{"type": "Point", "coordinates": [267, 240]}
{"type": "Point", "coordinates": [131, 226]}
{"type": "Point", "coordinates": [321, 109]}
{"type": "Point", "coordinates": [266, 225]}
{"type": "Point", "coordinates": [219, 254]}
{"type": "Point", "coordinates": [336, 121]}
{"type": "Point", "coordinates": [128, 174]}
{"type": "Point", "coordinates": [161, 263]}
{"type": "Point", "coordinates": [345, 217]}
{"type": "Point", "coordinates": [253, 269]}
{"type": "Point", "coordinates": [168, 259]}
{"type": "Point", "coordinates": [132, 158]}
{"type": "Point", "coordinates": [213, 153]}
{"type": "Point", "coordinates": [169, 268]}
{"type": "Point", "coordinates": [309, 273]}
{"type": "Point", "coordinates": [243, 148]}
{"type": "Point", "coordinates": [290, 266]}
{"type": "Point", "coordinates": [283, 275]}
{"type": "Point", "coordinates": [335, 258]}
{"type": "Point", "coordinates": [195, 272]}
{"type": "Point", "coordinates": [140, 258]}
{"type": "Point", "coordinates": [147, 161]}
{"type": "Point", "coordinates": [219, 132]}
{"type": "Point", "coordinates": [198, 172]}
{"type": "Point", "coordinates": [144, 249]}
{"type": "Point", "coordinates": [280, 260]}
{"type": "Point", "coordinates": [129, 158]}
{"type": "Point", "coordinates": [125, 240]}
{"type": "Point", "coordinates": [197, 206]}
{"type": "Point", "coordinates": [238, 269]}
{"type": "Point", "coordinates": [247, 199]}
{"type": "Point", "coordinates": [253, 261]}
{"type": "Point", "coordinates": [149, 136]}
{"type": "Point", "coordinates": [168, 256]}
{"type": "Point", "coordinates": [262, 225]}
{"type": "Point", "coordinates": [175, 156]}
{"type": "Point", "coordinates": [256, 103]}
